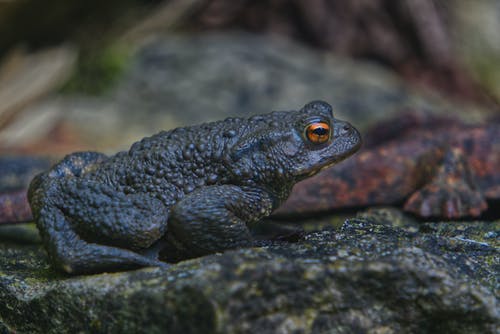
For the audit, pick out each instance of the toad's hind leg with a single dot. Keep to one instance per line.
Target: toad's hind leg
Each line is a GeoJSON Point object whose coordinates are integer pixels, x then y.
{"type": "Point", "coordinates": [71, 254]}
{"type": "Point", "coordinates": [89, 227]}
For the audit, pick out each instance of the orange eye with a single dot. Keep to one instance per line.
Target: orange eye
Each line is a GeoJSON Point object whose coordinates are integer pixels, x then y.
{"type": "Point", "coordinates": [318, 132]}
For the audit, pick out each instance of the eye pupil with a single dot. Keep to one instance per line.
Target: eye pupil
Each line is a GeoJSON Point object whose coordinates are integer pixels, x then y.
{"type": "Point", "coordinates": [318, 132]}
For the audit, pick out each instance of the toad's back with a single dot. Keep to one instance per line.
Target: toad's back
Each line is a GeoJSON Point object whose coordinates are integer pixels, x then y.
{"type": "Point", "coordinates": [174, 163]}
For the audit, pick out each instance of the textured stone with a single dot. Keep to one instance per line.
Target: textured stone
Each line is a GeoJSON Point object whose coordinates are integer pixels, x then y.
{"type": "Point", "coordinates": [370, 276]}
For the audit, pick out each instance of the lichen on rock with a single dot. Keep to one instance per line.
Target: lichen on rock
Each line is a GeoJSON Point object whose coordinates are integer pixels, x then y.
{"type": "Point", "coordinates": [370, 275]}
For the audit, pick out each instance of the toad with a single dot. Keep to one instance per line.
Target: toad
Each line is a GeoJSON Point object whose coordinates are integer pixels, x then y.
{"type": "Point", "coordinates": [191, 191]}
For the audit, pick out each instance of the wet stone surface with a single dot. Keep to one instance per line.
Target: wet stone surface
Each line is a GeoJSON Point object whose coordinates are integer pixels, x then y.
{"type": "Point", "coordinates": [378, 272]}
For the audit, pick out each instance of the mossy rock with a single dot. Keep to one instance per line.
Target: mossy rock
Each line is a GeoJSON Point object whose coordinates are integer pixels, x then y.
{"type": "Point", "coordinates": [367, 276]}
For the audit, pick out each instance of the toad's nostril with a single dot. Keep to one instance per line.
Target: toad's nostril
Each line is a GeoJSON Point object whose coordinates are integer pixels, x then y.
{"type": "Point", "coordinates": [345, 129]}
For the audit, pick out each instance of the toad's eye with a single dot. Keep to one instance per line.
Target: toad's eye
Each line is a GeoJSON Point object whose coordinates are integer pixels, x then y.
{"type": "Point", "coordinates": [318, 132]}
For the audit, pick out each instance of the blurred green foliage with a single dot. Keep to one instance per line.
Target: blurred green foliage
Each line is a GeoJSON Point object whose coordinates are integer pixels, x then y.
{"type": "Point", "coordinates": [97, 71]}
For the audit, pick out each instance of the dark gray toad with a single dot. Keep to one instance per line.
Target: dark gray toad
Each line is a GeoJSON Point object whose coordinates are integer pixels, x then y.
{"type": "Point", "coordinates": [190, 191]}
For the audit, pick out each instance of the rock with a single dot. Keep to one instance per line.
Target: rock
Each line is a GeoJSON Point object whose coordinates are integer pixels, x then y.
{"type": "Point", "coordinates": [206, 77]}
{"type": "Point", "coordinates": [368, 276]}
{"type": "Point", "coordinates": [213, 76]}
{"type": "Point", "coordinates": [176, 80]}
{"type": "Point", "coordinates": [16, 172]}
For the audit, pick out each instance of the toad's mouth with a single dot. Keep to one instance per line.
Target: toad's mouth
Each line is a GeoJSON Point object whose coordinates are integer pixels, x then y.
{"type": "Point", "coordinates": [327, 163]}
{"type": "Point", "coordinates": [318, 168]}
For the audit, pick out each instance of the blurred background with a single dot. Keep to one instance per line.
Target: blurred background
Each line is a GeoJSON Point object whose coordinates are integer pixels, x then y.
{"type": "Point", "coordinates": [99, 75]}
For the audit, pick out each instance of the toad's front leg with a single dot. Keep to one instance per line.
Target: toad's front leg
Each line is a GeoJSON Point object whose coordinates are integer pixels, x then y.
{"type": "Point", "coordinates": [214, 219]}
